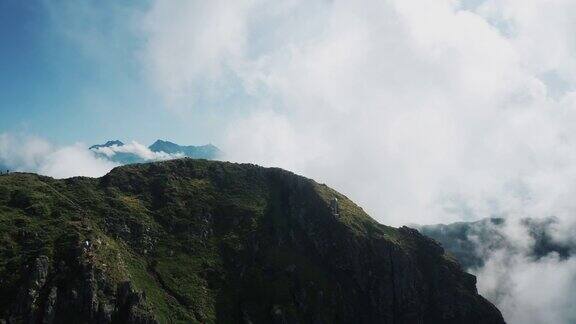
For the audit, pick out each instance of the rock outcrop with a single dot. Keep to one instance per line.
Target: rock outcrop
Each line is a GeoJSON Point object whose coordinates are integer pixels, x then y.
{"type": "Point", "coordinates": [69, 289]}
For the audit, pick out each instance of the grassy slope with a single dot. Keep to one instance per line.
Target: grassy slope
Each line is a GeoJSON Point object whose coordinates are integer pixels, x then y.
{"type": "Point", "coordinates": [181, 231]}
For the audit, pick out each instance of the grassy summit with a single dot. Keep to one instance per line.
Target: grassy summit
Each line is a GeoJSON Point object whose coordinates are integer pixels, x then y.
{"type": "Point", "coordinates": [203, 241]}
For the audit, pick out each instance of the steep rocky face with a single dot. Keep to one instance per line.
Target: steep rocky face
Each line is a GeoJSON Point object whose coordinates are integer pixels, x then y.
{"type": "Point", "coordinates": [200, 241]}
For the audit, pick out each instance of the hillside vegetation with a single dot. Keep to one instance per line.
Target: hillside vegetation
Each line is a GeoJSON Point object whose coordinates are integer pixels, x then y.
{"type": "Point", "coordinates": [196, 241]}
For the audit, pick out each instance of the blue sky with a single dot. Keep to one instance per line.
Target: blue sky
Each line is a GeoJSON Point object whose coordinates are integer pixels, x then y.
{"type": "Point", "coordinates": [71, 73]}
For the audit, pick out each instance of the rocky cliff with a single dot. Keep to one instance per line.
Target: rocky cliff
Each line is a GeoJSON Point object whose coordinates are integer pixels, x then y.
{"type": "Point", "coordinates": [202, 241]}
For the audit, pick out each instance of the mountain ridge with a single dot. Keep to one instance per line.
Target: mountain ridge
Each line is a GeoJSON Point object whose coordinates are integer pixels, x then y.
{"type": "Point", "coordinates": [205, 241]}
{"type": "Point", "coordinates": [107, 144]}
{"type": "Point", "coordinates": [117, 151]}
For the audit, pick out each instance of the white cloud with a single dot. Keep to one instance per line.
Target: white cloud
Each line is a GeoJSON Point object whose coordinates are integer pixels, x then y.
{"type": "Point", "coordinates": [179, 49]}
{"type": "Point", "coordinates": [22, 152]}
{"type": "Point", "coordinates": [540, 31]}
{"type": "Point", "coordinates": [527, 289]}
{"type": "Point", "coordinates": [33, 154]}
{"type": "Point", "coordinates": [72, 161]}
{"type": "Point", "coordinates": [27, 153]}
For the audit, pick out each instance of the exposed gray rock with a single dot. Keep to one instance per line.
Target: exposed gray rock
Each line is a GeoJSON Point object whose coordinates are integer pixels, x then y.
{"type": "Point", "coordinates": [74, 296]}
{"type": "Point", "coordinates": [27, 301]}
{"type": "Point", "coordinates": [50, 307]}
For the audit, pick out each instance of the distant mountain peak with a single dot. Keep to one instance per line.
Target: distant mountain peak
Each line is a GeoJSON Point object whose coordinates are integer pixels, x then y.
{"type": "Point", "coordinates": [129, 156]}
{"type": "Point", "coordinates": [159, 141]}
{"type": "Point", "coordinates": [107, 144]}
{"type": "Point", "coordinates": [164, 146]}
{"type": "Point", "coordinates": [208, 151]}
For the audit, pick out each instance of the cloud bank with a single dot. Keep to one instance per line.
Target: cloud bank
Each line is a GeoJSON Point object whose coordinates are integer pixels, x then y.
{"type": "Point", "coordinates": [529, 289]}
{"type": "Point", "coordinates": [27, 153]}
